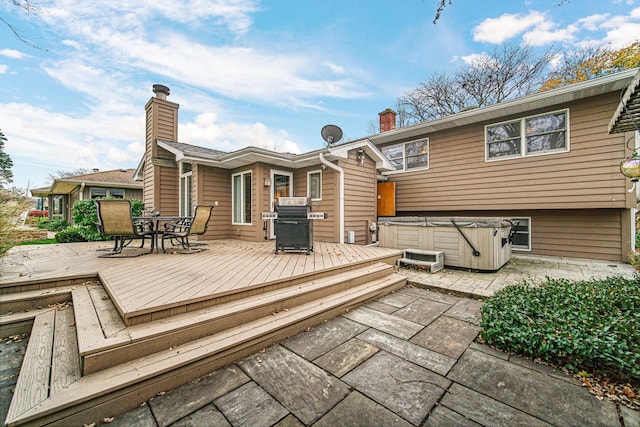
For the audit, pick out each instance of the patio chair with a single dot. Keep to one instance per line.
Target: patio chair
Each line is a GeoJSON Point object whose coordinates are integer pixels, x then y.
{"type": "Point", "coordinates": [180, 231]}
{"type": "Point", "coordinates": [115, 220]}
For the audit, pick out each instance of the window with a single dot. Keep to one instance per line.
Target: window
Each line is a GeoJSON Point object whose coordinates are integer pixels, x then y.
{"type": "Point", "coordinates": [530, 136]}
{"type": "Point", "coordinates": [314, 185]}
{"type": "Point", "coordinates": [241, 197]}
{"type": "Point", "coordinates": [522, 239]}
{"type": "Point", "coordinates": [185, 189]}
{"type": "Point", "coordinates": [95, 193]}
{"type": "Point", "coordinates": [116, 193]}
{"type": "Point", "coordinates": [408, 155]}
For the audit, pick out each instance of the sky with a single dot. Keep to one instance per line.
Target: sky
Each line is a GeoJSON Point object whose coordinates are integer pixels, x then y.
{"type": "Point", "coordinates": [266, 73]}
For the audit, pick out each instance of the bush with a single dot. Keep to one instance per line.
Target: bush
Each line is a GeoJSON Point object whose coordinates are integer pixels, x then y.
{"type": "Point", "coordinates": [71, 235]}
{"type": "Point", "coordinates": [591, 326]}
{"type": "Point", "coordinates": [56, 224]}
{"type": "Point", "coordinates": [85, 217]}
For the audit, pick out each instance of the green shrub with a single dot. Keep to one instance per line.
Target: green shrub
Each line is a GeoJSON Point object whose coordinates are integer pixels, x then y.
{"type": "Point", "coordinates": [85, 217]}
{"type": "Point", "coordinates": [71, 235]}
{"type": "Point", "coordinates": [591, 326]}
{"type": "Point", "coordinates": [57, 224]}
{"type": "Point", "coordinates": [42, 222]}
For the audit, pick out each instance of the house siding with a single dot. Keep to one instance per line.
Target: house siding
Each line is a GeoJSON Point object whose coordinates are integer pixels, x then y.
{"type": "Point", "coordinates": [578, 233]}
{"type": "Point", "coordinates": [325, 230]}
{"type": "Point", "coordinates": [459, 178]}
{"type": "Point", "coordinates": [160, 171]}
{"type": "Point", "coordinates": [576, 199]}
{"type": "Point", "coordinates": [211, 185]}
{"type": "Point", "coordinates": [360, 189]}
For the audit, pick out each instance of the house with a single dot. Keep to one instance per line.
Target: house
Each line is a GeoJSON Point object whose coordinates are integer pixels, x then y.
{"type": "Point", "coordinates": [547, 160]}
{"type": "Point", "coordinates": [64, 192]}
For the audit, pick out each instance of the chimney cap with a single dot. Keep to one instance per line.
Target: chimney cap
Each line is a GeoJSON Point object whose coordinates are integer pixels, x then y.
{"type": "Point", "coordinates": [159, 89]}
{"type": "Point", "coordinates": [388, 110]}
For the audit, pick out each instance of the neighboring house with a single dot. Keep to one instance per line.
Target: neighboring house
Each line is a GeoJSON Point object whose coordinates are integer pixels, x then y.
{"type": "Point", "coordinates": [547, 160]}
{"type": "Point", "coordinates": [64, 192]}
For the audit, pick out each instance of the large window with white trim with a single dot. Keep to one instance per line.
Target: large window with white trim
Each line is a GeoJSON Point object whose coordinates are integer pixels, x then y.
{"type": "Point", "coordinates": [241, 197]}
{"type": "Point", "coordinates": [530, 136]}
{"type": "Point", "coordinates": [408, 155]}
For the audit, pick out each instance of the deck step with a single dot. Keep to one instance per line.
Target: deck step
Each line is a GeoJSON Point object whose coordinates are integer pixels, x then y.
{"type": "Point", "coordinates": [117, 389]}
{"type": "Point", "coordinates": [36, 299]}
{"type": "Point", "coordinates": [432, 260]}
{"type": "Point", "coordinates": [100, 351]}
{"type": "Point", "coordinates": [51, 361]}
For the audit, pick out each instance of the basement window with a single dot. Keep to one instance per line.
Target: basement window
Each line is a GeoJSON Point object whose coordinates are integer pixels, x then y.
{"type": "Point", "coordinates": [522, 239]}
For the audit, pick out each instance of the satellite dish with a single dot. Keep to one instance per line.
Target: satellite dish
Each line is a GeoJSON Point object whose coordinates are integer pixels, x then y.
{"type": "Point", "coordinates": [331, 134]}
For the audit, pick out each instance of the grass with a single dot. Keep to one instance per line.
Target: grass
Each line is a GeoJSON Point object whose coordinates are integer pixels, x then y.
{"type": "Point", "coordinates": [37, 242]}
{"type": "Point", "coordinates": [586, 326]}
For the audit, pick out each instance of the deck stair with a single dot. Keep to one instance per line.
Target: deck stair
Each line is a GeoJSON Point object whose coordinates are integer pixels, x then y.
{"type": "Point", "coordinates": [84, 363]}
{"type": "Point", "coordinates": [431, 260]}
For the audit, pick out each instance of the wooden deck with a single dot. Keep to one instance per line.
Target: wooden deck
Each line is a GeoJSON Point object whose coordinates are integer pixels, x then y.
{"type": "Point", "coordinates": [157, 321]}
{"type": "Point", "coordinates": [154, 286]}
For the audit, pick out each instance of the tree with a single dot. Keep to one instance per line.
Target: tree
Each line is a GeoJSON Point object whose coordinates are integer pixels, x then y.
{"type": "Point", "coordinates": [591, 62]}
{"type": "Point", "coordinates": [30, 8]}
{"type": "Point", "coordinates": [69, 174]}
{"type": "Point", "coordinates": [442, 4]}
{"type": "Point", "coordinates": [510, 71]}
{"type": "Point", "coordinates": [6, 176]}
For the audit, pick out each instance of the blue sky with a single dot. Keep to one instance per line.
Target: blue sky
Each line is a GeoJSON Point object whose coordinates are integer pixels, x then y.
{"type": "Point", "coordinates": [247, 72]}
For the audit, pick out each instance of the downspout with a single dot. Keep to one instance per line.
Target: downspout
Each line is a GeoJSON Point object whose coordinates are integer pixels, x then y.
{"type": "Point", "coordinates": [340, 191]}
{"type": "Point", "coordinates": [81, 195]}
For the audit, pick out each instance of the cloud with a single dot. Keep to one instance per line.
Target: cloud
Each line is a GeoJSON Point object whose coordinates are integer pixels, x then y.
{"type": "Point", "coordinates": [207, 131]}
{"type": "Point", "coordinates": [337, 69]}
{"type": "Point", "coordinates": [12, 53]}
{"type": "Point", "coordinates": [4, 68]}
{"type": "Point", "coordinates": [507, 26]}
{"type": "Point", "coordinates": [544, 35]}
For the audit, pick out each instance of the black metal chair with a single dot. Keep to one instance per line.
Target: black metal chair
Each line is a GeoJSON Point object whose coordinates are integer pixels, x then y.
{"type": "Point", "coordinates": [180, 231]}
{"type": "Point", "coordinates": [115, 220]}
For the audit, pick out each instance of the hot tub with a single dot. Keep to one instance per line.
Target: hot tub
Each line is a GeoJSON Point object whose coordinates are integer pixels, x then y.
{"type": "Point", "coordinates": [479, 243]}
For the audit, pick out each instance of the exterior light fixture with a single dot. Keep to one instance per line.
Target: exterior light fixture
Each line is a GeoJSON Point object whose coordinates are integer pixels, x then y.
{"type": "Point", "coordinates": [630, 167]}
{"type": "Point", "coordinates": [267, 182]}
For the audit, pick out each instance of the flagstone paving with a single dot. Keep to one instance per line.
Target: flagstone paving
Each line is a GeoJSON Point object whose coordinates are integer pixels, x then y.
{"type": "Point", "coordinates": [409, 358]}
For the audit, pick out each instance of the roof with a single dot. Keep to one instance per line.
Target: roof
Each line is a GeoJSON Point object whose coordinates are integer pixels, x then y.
{"type": "Point", "coordinates": [548, 99]}
{"type": "Point", "coordinates": [248, 155]}
{"type": "Point", "coordinates": [627, 115]}
{"type": "Point", "coordinates": [117, 178]}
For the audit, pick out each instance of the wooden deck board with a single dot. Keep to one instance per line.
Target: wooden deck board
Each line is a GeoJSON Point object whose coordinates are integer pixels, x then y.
{"type": "Point", "coordinates": [32, 387]}
{"type": "Point", "coordinates": [110, 320]}
{"type": "Point", "coordinates": [65, 368]}
{"type": "Point", "coordinates": [168, 281]}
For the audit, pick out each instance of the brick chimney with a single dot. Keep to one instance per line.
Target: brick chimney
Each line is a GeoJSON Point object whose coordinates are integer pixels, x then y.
{"type": "Point", "coordinates": [160, 171]}
{"type": "Point", "coordinates": [387, 120]}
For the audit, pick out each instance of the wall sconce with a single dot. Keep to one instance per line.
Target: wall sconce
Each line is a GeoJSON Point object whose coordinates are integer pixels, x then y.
{"type": "Point", "coordinates": [267, 182]}
{"type": "Point", "coordinates": [630, 167]}
{"type": "Point", "coordinates": [361, 155]}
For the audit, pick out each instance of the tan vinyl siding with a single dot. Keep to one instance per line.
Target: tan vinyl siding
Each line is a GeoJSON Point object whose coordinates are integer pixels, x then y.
{"type": "Point", "coordinates": [326, 230]}
{"type": "Point", "coordinates": [211, 185]}
{"type": "Point", "coordinates": [161, 123]}
{"type": "Point", "coordinates": [459, 177]}
{"type": "Point", "coordinates": [360, 189]}
{"type": "Point", "coordinates": [578, 233]}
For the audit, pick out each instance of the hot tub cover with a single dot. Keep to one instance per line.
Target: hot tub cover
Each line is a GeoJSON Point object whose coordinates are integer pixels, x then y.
{"type": "Point", "coordinates": [445, 221]}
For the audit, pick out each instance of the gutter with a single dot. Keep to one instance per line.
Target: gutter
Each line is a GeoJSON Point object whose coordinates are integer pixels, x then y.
{"type": "Point", "coordinates": [341, 191]}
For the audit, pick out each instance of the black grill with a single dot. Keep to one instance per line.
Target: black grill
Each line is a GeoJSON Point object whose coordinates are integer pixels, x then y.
{"type": "Point", "coordinates": [293, 228]}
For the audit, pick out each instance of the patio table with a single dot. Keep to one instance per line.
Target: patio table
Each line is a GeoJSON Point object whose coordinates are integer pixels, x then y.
{"type": "Point", "coordinates": [154, 224]}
